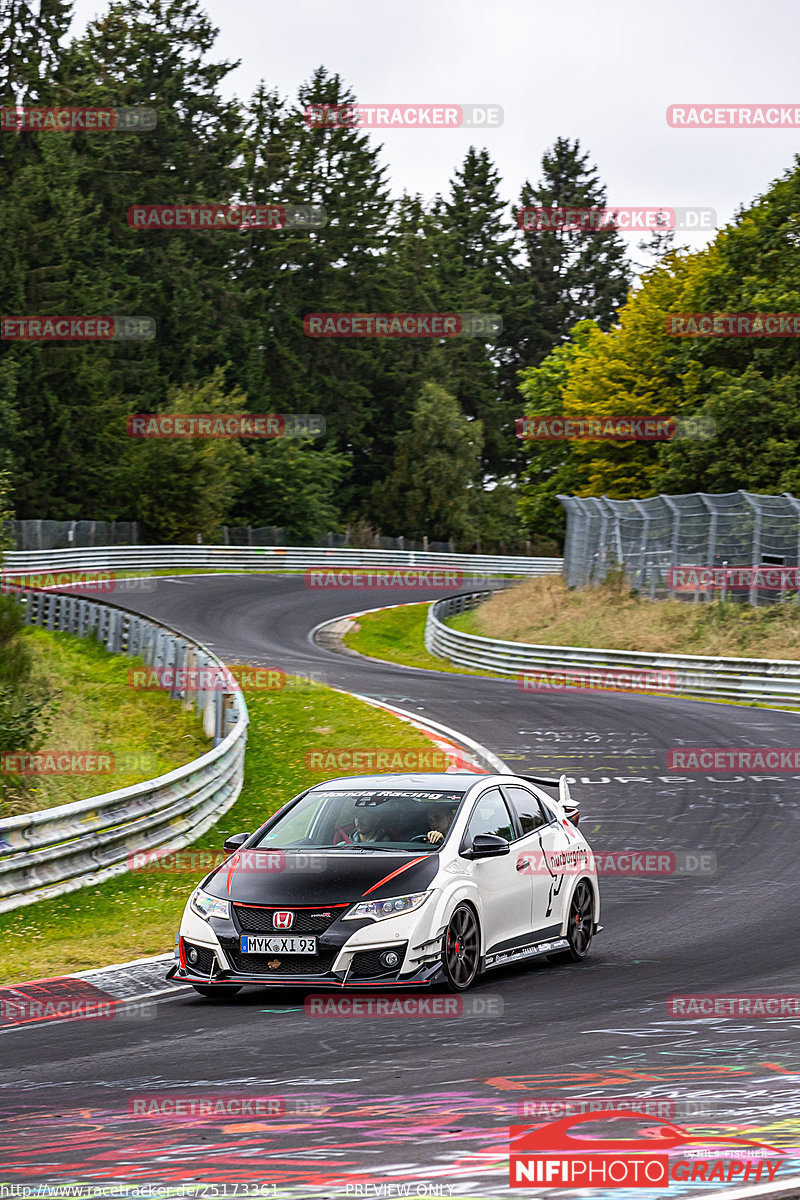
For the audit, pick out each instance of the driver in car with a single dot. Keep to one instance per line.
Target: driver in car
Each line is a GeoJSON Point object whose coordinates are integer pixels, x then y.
{"type": "Point", "coordinates": [440, 819]}
{"type": "Point", "coordinates": [368, 828]}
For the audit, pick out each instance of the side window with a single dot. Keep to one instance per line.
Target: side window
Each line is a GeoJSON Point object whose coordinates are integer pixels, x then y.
{"type": "Point", "coordinates": [528, 809]}
{"type": "Point", "coordinates": [549, 815]}
{"type": "Point", "coordinates": [491, 815]}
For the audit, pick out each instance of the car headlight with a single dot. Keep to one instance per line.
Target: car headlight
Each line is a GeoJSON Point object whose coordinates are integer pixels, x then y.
{"type": "Point", "coordinates": [208, 906]}
{"type": "Point", "coordinates": [379, 910]}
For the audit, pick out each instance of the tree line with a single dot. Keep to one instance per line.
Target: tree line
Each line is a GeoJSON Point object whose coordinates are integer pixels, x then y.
{"type": "Point", "coordinates": [738, 397]}
{"type": "Point", "coordinates": [420, 433]}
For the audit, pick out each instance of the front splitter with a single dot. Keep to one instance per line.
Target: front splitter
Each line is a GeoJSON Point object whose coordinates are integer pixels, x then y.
{"type": "Point", "coordinates": [226, 979]}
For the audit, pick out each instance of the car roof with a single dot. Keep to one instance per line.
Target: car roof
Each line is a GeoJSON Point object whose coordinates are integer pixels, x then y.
{"type": "Point", "coordinates": [455, 781]}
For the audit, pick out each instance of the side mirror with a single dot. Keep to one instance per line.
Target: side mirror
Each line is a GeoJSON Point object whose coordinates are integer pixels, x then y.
{"type": "Point", "coordinates": [235, 841]}
{"type": "Point", "coordinates": [487, 845]}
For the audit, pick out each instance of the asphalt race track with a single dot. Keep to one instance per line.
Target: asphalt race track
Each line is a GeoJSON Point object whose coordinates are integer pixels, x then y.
{"type": "Point", "coordinates": [425, 1104]}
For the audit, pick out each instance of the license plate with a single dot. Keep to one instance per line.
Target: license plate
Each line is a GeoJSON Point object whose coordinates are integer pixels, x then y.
{"type": "Point", "coordinates": [278, 945]}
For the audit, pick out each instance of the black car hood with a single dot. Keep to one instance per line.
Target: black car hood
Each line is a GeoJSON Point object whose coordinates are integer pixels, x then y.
{"type": "Point", "coordinates": [336, 877]}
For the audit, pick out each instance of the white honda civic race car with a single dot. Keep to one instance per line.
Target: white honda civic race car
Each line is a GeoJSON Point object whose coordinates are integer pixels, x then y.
{"type": "Point", "coordinates": [395, 881]}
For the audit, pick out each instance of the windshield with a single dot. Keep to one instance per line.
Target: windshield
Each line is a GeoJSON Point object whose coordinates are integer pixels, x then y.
{"type": "Point", "coordinates": [399, 819]}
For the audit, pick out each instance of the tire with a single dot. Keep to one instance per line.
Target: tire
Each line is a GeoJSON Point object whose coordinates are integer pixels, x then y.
{"type": "Point", "coordinates": [216, 993]}
{"type": "Point", "coordinates": [461, 949]}
{"type": "Point", "coordinates": [580, 925]}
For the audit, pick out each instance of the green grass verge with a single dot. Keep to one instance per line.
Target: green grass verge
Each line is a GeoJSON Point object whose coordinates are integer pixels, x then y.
{"type": "Point", "coordinates": [398, 635]}
{"type": "Point", "coordinates": [147, 733]}
{"type": "Point", "coordinates": [465, 622]}
{"type": "Point", "coordinates": [138, 914]}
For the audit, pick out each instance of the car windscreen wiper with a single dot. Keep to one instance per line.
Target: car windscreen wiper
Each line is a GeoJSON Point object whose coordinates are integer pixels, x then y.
{"type": "Point", "coordinates": [370, 848]}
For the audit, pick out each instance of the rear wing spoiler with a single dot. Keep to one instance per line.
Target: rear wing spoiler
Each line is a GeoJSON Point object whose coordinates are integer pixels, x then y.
{"type": "Point", "coordinates": [571, 807]}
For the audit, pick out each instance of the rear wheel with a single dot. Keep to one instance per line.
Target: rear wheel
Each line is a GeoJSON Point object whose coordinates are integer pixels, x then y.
{"type": "Point", "coordinates": [216, 993]}
{"type": "Point", "coordinates": [580, 926]}
{"type": "Point", "coordinates": [461, 952]}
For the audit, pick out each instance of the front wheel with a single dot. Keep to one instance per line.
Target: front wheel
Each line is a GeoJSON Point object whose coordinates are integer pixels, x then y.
{"type": "Point", "coordinates": [580, 926]}
{"type": "Point", "coordinates": [461, 952]}
{"type": "Point", "coordinates": [216, 993]}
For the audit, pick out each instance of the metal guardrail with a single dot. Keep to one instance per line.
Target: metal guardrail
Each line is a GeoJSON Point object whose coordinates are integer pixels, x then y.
{"type": "Point", "coordinates": [57, 850]}
{"type": "Point", "coordinates": [767, 682]}
{"type": "Point", "coordinates": [272, 558]}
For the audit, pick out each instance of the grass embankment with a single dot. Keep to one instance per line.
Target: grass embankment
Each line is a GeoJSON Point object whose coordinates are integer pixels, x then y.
{"type": "Point", "coordinates": [138, 914]}
{"type": "Point", "coordinates": [143, 733]}
{"type": "Point", "coordinates": [545, 611]}
{"type": "Point", "coordinates": [398, 635]}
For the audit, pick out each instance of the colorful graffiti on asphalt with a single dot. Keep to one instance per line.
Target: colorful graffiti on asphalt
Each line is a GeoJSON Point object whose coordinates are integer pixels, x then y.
{"type": "Point", "coordinates": [349, 1140]}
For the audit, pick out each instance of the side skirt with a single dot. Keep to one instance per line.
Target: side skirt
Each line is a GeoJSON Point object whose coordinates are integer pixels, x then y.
{"type": "Point", "coordinates": [500, 958]}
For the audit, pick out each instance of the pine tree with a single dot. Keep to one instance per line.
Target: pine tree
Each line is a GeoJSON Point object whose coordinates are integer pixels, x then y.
{"type": "Point", "coordinates": [436, 468]}
{"type": "Point", "coordinates": [336, 268]}
{"type": "Point", "coordinates": [473, 258]}
{"type": "Point", "coordinates": [566, 276]}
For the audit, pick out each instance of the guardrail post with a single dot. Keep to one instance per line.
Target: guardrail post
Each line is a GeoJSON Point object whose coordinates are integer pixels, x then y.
{"type": "Point", "coordinates": [191, 690]}
{"type": "Point", "coordinates": [228, 712]}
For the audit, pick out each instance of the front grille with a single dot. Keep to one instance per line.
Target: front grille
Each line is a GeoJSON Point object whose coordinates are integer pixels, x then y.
{"type": "Point", "coordinates": [312, 920]}
{"type": "Point", "coordinates": [367, 963]}
{"type": "Point", "coordinates": [205, 961]}
{"type": "Point", "coordinates": [289, 964]}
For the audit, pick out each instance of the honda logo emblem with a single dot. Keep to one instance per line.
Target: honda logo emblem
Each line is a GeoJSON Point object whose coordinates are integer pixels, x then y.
{"type": "Point", "coordinates": [282, 920]}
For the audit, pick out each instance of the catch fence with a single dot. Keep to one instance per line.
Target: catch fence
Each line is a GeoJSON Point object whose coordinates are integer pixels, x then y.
{"type": "Point", "coordinates": [736, 545]}
{"type": "Point", "coordinates": [67, 535]}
